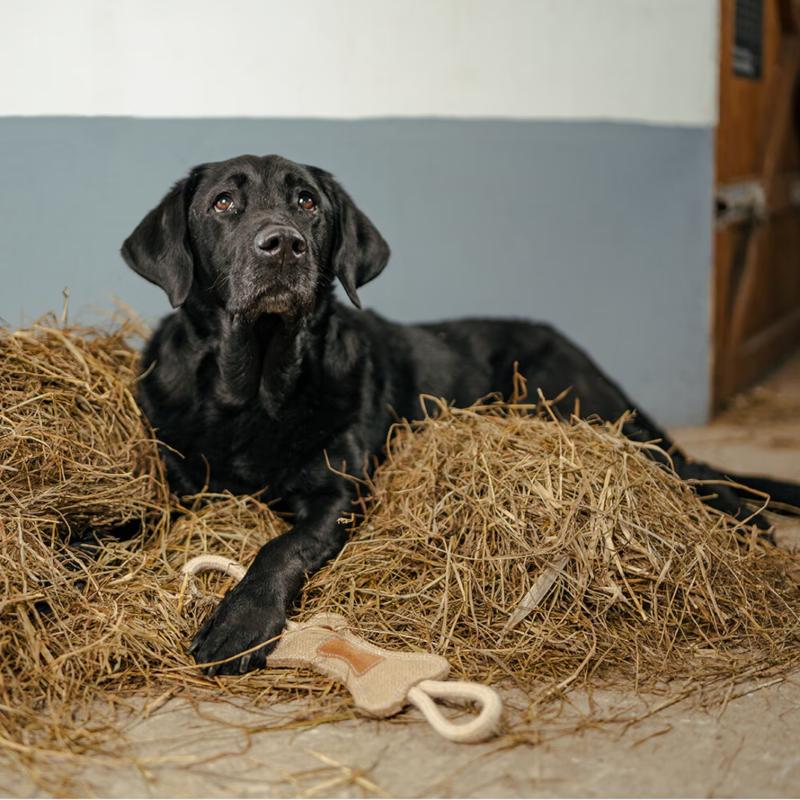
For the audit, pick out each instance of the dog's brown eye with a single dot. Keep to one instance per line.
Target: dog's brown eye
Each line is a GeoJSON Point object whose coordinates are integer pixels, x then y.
{"type": "Point", "coordinates": [223, 203]}
{"type": "Point", "coordinates": [306, 201]}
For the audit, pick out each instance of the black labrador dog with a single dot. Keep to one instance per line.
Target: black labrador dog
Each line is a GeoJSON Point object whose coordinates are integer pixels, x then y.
{"type": "Point", "coordinates": [260, 378]}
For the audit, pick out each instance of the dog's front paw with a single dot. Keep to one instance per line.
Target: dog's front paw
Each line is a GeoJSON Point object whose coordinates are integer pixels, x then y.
{"type": "Point", "coordinates": [243, 620]}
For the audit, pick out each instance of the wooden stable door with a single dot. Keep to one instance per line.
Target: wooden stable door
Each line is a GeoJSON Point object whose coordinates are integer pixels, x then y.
{"type": "Point", "coordinates": [757, 259]}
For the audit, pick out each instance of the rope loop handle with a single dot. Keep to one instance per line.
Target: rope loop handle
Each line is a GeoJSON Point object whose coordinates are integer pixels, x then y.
{"type": "Point", "coordinates": [207, 563]}
{"type": "Point", "coordinates": [476, 729]}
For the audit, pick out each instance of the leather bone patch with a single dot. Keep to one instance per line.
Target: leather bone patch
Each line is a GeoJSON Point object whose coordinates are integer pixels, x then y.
{"type": "Point", "coordinates": [360, 661]}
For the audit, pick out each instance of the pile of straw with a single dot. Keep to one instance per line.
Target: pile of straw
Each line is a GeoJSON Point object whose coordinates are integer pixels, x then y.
{"type": "Point", "coordinates": [626, 576]}
{"type": "Point", "coordinates": [74, 451]}
{"type": "Point", "coordinates": [547, 553]}
{"type": "Point", "coordinates": [75, 458]}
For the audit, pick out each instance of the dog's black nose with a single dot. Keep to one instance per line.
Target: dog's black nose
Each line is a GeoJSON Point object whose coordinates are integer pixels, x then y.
{"type": "Point", "coordinates": [280, 243]}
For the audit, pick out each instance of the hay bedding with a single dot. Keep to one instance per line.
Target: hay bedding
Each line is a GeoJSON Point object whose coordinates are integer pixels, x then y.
{"type": "Point", "coordinates": [630, 580]}
{"type": "Point", "coordinates": [628, 574]}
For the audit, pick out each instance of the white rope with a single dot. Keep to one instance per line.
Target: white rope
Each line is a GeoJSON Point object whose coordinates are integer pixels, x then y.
{"type": "Point", "coordinates": [198, 564]}
{"type": "Point", "coordinates": [477, 728]}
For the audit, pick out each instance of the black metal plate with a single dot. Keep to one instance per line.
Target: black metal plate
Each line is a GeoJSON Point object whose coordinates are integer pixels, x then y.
{"type": "Point", "coordinates": [748, 38]}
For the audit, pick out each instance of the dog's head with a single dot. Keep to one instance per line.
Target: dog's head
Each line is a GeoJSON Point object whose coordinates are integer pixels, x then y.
{"type": "Point", "coordinates": [259, 235]}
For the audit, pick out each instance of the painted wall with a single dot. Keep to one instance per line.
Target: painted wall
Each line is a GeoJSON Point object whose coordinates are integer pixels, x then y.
{"type": "Point", "coordinates": [651, 60]}
{"type": "Point", "coordinates": [567, 178]}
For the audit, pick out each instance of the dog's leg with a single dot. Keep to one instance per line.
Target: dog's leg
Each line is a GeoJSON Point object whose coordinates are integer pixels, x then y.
{"type": "Point", "coordinates": [254, 612]}
{"type": "Point", "coordinates": [88, 541]}
{"type": "Point", "coordinates": [727, 499]}
{"type": "Point", "coordinates": [557, 364]}
{"type": "Point", "coordinates": [784, 492]}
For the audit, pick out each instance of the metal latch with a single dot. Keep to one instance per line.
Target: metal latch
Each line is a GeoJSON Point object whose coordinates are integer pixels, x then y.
{"type": "Point", "coordinates": [750, 201]}
{"type": "Point", "coordinates": [739, 202]}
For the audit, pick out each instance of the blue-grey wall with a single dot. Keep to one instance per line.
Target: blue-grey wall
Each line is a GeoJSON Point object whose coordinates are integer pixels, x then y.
{"type": "Point", "coordinates": [602, 228]}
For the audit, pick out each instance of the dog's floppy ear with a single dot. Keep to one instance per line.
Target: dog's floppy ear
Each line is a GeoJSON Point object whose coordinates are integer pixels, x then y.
{"type": "Point", "coordinates": [359, 252]}
{"type": "Point", "coordinates": [159, 250]}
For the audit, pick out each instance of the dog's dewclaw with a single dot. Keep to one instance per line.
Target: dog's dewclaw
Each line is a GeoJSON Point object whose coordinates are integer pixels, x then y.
{"type": "Point", "coordinates": [379, 680]}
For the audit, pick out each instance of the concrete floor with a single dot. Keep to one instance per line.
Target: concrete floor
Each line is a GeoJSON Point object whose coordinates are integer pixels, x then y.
{"type": "Point", "coordinates": [750, 748]}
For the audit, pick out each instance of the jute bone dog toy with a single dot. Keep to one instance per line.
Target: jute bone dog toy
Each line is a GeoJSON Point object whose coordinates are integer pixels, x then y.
{"type": "Point", "coordinates": [380, 681]}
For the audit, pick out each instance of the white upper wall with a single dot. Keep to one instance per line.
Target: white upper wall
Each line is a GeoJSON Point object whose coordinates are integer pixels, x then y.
{"type": "Point", "coordinates": [642, 60]}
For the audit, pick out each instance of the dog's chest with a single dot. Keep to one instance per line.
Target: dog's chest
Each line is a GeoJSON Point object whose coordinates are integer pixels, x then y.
{"type": "Point", "coordinates": [242, 451]}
